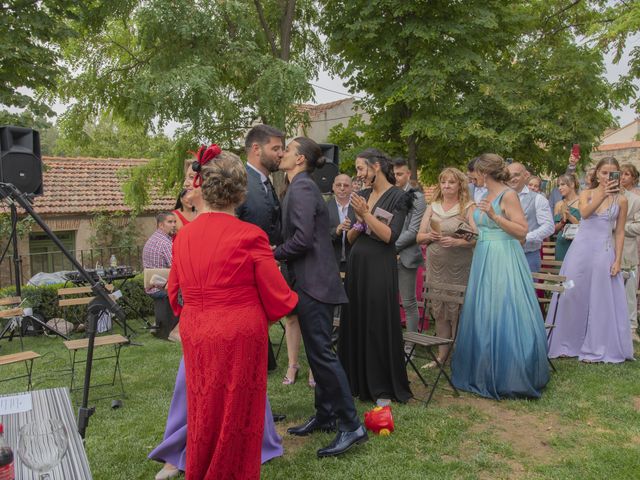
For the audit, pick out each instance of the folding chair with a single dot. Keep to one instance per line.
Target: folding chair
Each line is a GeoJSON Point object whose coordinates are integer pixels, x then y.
{"type": "Point", "coordinates": [550, 266]}
{"type": "Point", "coordinates": [548, 284]}
{"type": "Point", "coordinates": [443, 292]}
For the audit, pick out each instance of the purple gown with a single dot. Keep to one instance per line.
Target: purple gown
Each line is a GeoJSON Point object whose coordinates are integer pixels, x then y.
{"type": "Point", "coordinates": [592, 322]}
{"type": "Point", "coordinates": [173, 448]}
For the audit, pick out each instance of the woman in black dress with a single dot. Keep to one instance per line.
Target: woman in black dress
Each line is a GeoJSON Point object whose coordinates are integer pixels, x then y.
{"type": "Point", "coordinates": [370, 345]}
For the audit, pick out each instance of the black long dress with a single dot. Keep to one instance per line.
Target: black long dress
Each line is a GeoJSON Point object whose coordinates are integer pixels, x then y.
{"type": "Point", "coordinates": [370, 344]}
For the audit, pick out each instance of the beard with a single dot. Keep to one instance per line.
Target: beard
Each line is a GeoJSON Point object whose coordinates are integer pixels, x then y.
{"type": "Point", "coordinates": [269, 161]}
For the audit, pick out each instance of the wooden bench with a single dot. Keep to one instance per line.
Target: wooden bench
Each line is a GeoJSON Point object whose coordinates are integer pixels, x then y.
{"type": "Point", "coordinates": [26, 357]}
{"type": "Point", "coordinates": [550, 266]}
{"type": "Point", "coordinates": [65, 300]}
{"type": "Point", "coordinates": [117, 341]}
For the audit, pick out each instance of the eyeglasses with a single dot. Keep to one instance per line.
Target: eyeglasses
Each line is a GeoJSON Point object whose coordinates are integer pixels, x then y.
{"type": "Point", "coordinates": [344, 185]}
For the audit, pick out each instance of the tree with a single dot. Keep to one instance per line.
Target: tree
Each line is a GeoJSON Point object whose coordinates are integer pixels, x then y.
{"type": "Point", "coordinates": [619, 24]}
{"type": "Point", "coordinates": [104, 137]}
{"type": "Point", "coordinates": [30, 58]}
{"type": "Point", "coordinates": [213, 67]}
{"type": "Point", "coordinates": [453, 79]}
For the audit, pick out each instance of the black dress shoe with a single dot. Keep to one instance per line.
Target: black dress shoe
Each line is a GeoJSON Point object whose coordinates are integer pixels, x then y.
{"type": "Point", "coordinates": [311, 426]}
{"type": "Point", "coordinates": [278, 417]}
{"type": "Point", "coordinates": [344, 441]}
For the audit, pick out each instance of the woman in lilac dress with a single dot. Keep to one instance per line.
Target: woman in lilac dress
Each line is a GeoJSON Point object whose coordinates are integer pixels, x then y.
{"type": "Point", "coordinates": [591, 321]}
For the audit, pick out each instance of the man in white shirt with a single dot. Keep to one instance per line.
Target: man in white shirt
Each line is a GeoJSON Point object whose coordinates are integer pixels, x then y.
{"type": "Point", "coordinates": [341, 217]}
{"type": "Point", "coordinates": [477, 188]}
{"type": "Point", "coordinates": [536, 209]}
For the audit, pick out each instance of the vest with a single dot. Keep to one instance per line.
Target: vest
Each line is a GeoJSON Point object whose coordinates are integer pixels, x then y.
{"type": "Point", "coordinates": [528, 202]}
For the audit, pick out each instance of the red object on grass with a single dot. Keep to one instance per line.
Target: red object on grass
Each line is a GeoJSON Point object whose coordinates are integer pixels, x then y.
{"type": "Point", "coordinates": [379, 420]}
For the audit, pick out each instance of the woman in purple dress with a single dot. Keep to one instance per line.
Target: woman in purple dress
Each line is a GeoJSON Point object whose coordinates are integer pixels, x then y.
{"type": "Point", "coordinates": [591, 321]}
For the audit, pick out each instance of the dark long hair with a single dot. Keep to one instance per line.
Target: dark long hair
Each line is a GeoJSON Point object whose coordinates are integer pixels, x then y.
{"type": "Point", "coordinates": [373, 155]}
{"type": "Point", "coordinates": [312, 152]}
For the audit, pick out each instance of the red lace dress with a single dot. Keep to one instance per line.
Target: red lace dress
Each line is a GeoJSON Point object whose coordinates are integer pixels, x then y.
{"type": "Point", "coordinates": [231, 288]}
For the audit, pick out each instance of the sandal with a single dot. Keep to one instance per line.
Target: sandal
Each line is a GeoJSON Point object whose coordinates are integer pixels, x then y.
{"type": "Point", "coordinates": [288, 380]}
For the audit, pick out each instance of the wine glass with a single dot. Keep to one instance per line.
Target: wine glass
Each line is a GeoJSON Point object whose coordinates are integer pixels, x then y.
{"type": "Point", "coordinates": [42, 444]}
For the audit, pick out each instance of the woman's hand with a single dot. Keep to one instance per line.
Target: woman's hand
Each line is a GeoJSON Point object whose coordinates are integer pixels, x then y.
{"type": "Point", "coordinates": [429, 237]}
{"type": "Point", "coordinates": [487, 208]}
{"type": "Point", "coordinates": [612, 187]}
{"type": "Point", "coordinates": [615, 269]}
{"type": "Point", "coordinates": [359, 205]}
{"type": "Point", "coordinates": [448, 242]}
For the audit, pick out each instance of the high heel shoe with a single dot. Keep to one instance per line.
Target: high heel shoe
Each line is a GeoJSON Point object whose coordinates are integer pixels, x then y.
{"type": "Point", "coordinates": [291, 381]}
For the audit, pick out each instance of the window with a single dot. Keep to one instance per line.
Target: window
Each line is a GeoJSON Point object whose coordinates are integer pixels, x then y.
{"type": "Point", "coordinates": [46, 256]}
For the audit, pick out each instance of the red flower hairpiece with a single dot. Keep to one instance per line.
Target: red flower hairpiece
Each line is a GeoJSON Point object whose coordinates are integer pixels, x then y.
{"type": "Point", "coordinates": [203, 156]}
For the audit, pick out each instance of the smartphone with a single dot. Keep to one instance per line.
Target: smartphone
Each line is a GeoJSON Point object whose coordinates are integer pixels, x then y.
{"type": "Point", "coordinates": [575, 150]}
{"type": "Point", "coordinates": [615, 176]}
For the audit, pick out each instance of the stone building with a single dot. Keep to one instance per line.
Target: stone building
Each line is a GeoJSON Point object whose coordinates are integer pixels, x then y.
{"type": "Point", "coordinates": [623, 144]}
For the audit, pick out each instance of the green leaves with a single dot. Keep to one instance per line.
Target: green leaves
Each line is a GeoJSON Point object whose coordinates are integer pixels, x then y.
{"type": "Point", "coordinates": [462, 78]}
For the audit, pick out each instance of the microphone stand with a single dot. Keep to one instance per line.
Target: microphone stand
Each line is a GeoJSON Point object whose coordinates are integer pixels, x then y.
{"type": "Point", "coordinates": [102, 301]}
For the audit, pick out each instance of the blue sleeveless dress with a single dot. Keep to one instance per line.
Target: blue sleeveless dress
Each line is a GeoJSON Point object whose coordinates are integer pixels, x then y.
{"type": "Point", "coordinates": [501, 349]}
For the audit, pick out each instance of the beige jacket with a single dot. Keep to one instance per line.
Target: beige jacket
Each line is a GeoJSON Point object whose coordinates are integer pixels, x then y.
{"type": "Point", "coordinates": [631, 232]}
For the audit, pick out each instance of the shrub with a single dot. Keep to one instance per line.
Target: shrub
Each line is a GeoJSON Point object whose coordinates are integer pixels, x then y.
{"type": "Point", "coordinates": [44, 300]}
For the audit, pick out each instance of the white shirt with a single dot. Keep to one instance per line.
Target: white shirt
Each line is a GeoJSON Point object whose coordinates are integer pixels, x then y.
{"type": "Point", "coordinates": [544, 217]}
{"type": "Point", "coordinates": [479, 193]}
{"type": "Point", "coordinates": [342, 214]}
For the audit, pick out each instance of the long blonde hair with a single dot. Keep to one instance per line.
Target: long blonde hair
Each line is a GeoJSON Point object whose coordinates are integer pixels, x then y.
{"type": "Point", "coordinates": [463, 190]}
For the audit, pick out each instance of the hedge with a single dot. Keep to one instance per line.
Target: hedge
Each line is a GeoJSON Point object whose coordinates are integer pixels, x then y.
{"type": "Point", "coordinates": [44, 300]}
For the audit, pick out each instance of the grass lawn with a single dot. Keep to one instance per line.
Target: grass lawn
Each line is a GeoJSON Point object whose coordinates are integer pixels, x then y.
{"type": "Point", "coordinates": [586, 426]}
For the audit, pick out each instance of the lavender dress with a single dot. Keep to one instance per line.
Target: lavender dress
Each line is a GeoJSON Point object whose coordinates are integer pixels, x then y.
{"type": "Point", "coordinates": [173, 448]}
{"type": "Point", "coordinates": [592, 320]}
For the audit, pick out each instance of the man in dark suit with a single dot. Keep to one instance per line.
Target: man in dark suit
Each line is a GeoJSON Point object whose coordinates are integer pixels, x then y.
{"type": "Point", "coordinates": [265, 147]}
{"type": "Point", "coordinates": [341, 217]}
{"type": "Point", "coordinates": [314, 276]}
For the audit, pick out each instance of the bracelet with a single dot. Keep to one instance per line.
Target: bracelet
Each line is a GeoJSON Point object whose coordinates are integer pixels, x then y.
{"type": "Point", "coordinates": [359, 227]}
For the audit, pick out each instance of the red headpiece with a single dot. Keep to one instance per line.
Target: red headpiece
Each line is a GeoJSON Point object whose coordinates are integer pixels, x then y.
{"type": "Point", "coordinates": [203, 156]}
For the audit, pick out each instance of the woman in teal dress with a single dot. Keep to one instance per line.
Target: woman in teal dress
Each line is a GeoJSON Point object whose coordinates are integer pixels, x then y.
{"type": "Point", "coordinates": [565, 212]}
{"type": "Point", "coordinates": [501, 349]}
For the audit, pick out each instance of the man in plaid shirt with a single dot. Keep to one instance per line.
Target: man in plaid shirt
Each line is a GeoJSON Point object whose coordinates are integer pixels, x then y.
{"type": "Point", "coordinates": [157, 250]}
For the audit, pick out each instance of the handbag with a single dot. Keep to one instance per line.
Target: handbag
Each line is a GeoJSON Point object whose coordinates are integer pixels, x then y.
{"type": "Point", "coordinates": [570, 231]}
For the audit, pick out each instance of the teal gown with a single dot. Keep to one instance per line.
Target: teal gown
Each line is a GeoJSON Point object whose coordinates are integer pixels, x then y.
{"type": "Point", "coordinates": [501, 348]}
{"type": "Point", "coordinates": [562, 244]}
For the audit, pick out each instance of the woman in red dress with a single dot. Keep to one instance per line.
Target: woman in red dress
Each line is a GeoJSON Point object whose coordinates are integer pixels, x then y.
{"type": "Point", "coordinates": [231, 288]}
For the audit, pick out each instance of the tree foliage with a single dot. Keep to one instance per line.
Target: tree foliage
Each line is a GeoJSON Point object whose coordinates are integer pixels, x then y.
{"type": "Point", "coordinates": [453, 79]}
{"type": "Point", "coordinates": [30, 61]}
{"type": "Point", "coordinates": [104, 137]}
{"type": "Point", "coordinates": [213, 67]}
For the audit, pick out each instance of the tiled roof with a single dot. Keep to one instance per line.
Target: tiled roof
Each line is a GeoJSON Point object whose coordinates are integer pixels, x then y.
{"type": "Point", "coordinates": [617, 146]}
{"type": "Point", "coordinates": [87, 185]}
{"type": "Point", "coordinates": [317, 110]}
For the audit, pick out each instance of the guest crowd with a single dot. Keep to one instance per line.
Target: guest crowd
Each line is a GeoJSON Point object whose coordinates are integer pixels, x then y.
{"type": "Point", "coordinates": [245, 256]}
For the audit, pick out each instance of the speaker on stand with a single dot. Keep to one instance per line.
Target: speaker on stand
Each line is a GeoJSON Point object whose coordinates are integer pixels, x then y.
{"type": "Point", "coordinates": [324, 176]}
{"type": "Point", "coordinates": [20, 161]}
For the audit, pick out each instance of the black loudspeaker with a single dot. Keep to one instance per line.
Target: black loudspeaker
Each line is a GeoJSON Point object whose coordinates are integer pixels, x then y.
{"type": "Point", "coordinates": [324, 176]}
{"type": "Point", "coordinates": [20, 160]}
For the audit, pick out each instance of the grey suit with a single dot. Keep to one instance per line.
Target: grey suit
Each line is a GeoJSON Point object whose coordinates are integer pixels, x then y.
{"type": "Point", "coordinates": [409, 259]}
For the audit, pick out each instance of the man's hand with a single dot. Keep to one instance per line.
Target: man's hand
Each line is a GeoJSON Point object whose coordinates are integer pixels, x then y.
{"type": "Point", "coordinates": [344, 226]}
